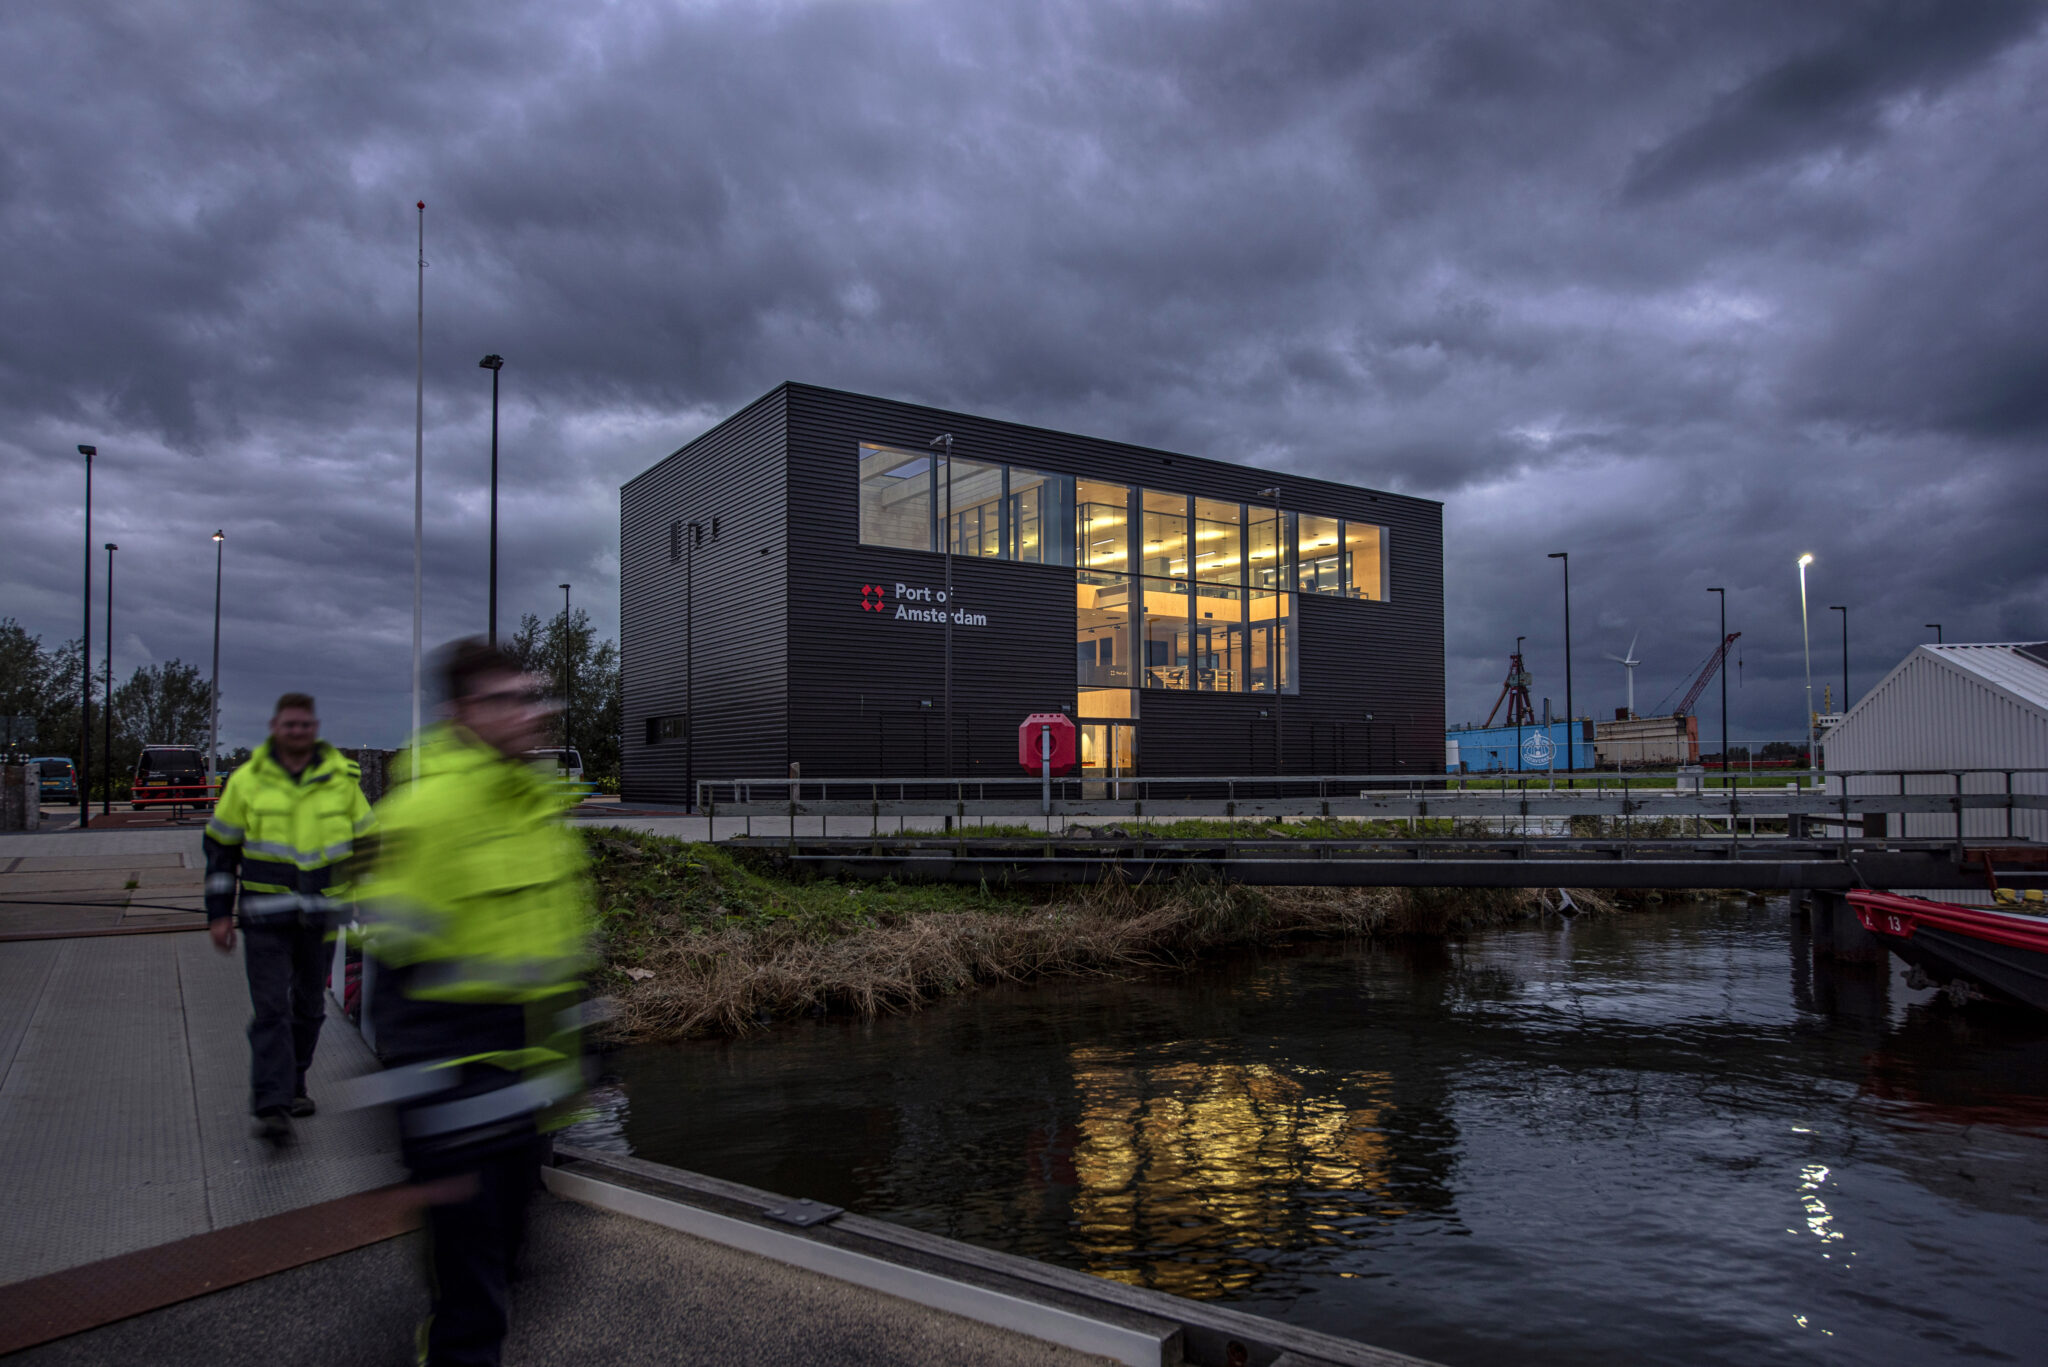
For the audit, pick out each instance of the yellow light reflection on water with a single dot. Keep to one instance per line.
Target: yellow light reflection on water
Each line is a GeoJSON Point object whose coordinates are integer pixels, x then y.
{"type": "Point", "coordinates": [1187, 1171]}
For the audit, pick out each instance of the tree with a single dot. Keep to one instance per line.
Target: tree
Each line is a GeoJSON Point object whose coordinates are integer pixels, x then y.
{"type": "Point", "coordinates": [24, 670]}
{"type": "Point", "coordinates": [597, 706]}
{"type": "Point", "coordinates": [162, 704]}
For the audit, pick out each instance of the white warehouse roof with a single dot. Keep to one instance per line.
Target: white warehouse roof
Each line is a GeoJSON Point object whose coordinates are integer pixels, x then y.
{"type": "Point", "coordinates": [1971, 707]}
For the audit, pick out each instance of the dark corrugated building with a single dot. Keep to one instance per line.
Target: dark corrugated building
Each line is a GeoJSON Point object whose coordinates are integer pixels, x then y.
{"type": "Point", "coordinates": [783, 600]}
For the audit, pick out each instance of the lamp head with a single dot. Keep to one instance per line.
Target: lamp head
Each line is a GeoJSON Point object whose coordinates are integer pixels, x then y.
{"type": "Point", "coordinates": [88, 451]}
{"type": "Point", "coordinates": [112, 547]}
{"type": "Point", "coordinates": [1837, 607]}
{"type": "Point", "coordinates": [1560, 555]}
{"type": "Point", "coordinates": [492, 362]}
{"type": "Point", "coordinates": [1805, 560]}
{"type": "Point", "coordinates": [944, 439]}
{"type": "Point", "coordinates": [220, 536]}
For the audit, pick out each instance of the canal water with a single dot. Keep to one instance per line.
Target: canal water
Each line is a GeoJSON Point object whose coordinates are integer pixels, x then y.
{"type": "Point", "coordinates": [1664, 1137]}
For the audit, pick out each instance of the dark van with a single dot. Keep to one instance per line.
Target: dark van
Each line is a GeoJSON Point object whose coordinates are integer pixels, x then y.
{"type": "Point", "coordinates": [170, 775]}
{"type": "Point", "coordinates": [59, 781]}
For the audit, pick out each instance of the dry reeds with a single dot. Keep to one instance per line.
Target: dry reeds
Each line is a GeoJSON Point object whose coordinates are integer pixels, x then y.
{"type": "Point", "coordinates": [732, 979]}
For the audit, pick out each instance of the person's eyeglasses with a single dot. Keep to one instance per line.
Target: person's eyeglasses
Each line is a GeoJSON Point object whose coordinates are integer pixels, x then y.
{"type": "Point", "coordinates": [529, 696]}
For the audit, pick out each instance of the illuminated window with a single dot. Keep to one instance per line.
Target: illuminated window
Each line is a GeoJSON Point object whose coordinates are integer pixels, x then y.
{"type": "Point", "coordinates": [1270, 646]}
{"type": "Point", "coordinates": [896, 498]}
{"type": "Point", "coordinates": [1216, 647]}
{"type": "Point", "coordinates": [1365, 561]}
{"type": "Point", "coordinates": [1041, 509]}
{"type": "Point", "coordinates": [974, 492]}
{"type": "Point", "coordinates": [1219, 543]}
{"type": "Point", "coordinates": [1163, 640]}
{"type": "Point", "coordinates": [1120, 704]}
{"type": "Point", "coordinates": [1163, 535]}
{"type": "Point", "coordinates": [1102, 528]}
{"type": "Point", "coordinates": [1318, 555]}
{"type": "Point", "coordinates": [1269, 535]}
{"type": "Point", "coordinates": [1102, 630]}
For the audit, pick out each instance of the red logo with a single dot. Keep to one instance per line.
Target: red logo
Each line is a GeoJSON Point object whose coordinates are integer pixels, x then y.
{"type": "Point", "coordinates": [871, 597]}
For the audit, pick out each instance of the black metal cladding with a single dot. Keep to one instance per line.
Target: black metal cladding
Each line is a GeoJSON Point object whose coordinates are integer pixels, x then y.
{"type": "Point", "coordinates": [792, 668]}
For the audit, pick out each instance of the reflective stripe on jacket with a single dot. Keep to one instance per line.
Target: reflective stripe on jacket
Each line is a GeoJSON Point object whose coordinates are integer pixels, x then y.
{"type": "Point", "coordinates": [285, 839]}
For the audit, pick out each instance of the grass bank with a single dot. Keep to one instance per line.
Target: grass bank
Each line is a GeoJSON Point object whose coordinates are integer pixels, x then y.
{"type": "Point", "coordinates": [695, 941]}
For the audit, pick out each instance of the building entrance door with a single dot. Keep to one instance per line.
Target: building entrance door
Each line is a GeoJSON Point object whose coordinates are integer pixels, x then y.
{"type": "Point", "coordinates": [1109, 751]}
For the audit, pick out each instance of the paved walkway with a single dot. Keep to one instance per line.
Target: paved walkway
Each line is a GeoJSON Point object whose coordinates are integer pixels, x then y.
{"type": "Point", "coordinates": [124, 1103]}
{"type": "Point", "coordinates": [596, 1288]}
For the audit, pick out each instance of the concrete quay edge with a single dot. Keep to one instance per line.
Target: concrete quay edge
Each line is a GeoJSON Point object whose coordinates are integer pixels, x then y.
{"type": "Point", "coordinates": [1072, 1309]}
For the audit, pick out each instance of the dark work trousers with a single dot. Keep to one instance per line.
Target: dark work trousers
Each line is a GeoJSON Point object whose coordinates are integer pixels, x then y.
{"type": "Point", "coordinates": [287, 967]}
{"type": "Point", "coordinates": [472, 1250]}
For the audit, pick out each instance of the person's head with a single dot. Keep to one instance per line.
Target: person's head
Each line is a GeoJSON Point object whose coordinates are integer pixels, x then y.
{"type": "Point", "coordinates": [294, 727]}
{"type": "Point", "coordinates": [491, 696]}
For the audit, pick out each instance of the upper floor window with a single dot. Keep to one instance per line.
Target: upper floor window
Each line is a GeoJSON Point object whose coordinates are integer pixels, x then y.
{"type": "Point", "coordinates": [896, 498]}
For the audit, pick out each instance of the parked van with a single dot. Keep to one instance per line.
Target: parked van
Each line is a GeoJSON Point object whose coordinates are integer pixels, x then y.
{"type": "Point", "coordinates": [170, 775]}
{"type": "Point", "coordinates": [59, 778]}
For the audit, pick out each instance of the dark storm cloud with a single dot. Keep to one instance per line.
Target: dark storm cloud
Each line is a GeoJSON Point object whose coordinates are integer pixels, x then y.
{"type": "Point", "coordinates": [1684, 289]}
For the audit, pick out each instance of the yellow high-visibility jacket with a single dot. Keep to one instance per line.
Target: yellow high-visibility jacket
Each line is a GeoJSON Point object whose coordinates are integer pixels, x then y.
{"type": "Point", "coordinates": [287, 840]}
{"type": "Point", "coordinates": [477, 912]}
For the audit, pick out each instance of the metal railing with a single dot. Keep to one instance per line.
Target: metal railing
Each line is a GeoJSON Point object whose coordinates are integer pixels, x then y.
{"type": "Point", "coordinates": [1807, 794]}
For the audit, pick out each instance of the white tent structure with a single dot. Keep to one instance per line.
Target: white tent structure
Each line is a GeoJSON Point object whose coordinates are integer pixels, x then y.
{"type": "Point", "coordinates": [1949, 707]}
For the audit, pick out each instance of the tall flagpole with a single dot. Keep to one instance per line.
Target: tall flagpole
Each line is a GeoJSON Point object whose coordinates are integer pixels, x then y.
{"type": "Point", "coordinates": [419, 483]}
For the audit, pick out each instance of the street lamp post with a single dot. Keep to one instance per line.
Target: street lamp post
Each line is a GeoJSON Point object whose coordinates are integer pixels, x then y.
{"type": "Point", "coordinates": [1724, 680]}
{"type": "Point", "coordinates": [419, 486]}
{"type": "Point", "coordinates": [213, 711]}
{"type": "Point", "coordinates": [568, 683]}
{"type": "Point", "coordinates": [107, 710]}
{"type": "Point", "coordinates": [85, 660]}
{"type": "Point", "coordinates": [1837, 607]}
{"type": "Point", "coordinates": [494, 363]}
{"type": "Point", "coordinates": [946, 543]}
{"type": "Point", "coordinates": [1806, 636]}
{"type": "Point", "coordinates": [1936, 626]}
{"type": "Point", "coordinates": [1571, 716]}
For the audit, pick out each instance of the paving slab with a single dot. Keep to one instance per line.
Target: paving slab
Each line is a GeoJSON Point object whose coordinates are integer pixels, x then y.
{"type": "Point", "coordinates": [96, 1112]}
{"type": "Point", "coordinates": [124, 1103]}
{"type": "Point", "coordinates": [64, 863]}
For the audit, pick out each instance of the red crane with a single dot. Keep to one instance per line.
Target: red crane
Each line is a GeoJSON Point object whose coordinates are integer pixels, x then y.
{"type": "Point", "coordinates": [1699, 685]}
{"type": "Point", "coordinates": [1514, 691]}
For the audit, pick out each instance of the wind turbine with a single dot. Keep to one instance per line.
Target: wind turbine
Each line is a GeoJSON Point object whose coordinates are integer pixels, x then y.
{"type": "Point", "coordinates": [1629, 662]}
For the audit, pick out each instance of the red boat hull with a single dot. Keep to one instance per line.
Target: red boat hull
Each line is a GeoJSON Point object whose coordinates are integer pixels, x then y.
{"type": "Point", "coordinates": [2004, 951]}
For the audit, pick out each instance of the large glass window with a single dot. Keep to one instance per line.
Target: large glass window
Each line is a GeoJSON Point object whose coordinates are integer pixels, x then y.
{"type": "Point", "coordinates": [1102, 526]}
{"type": "Point", "coordinates": [1219, 549]}
{"type": "Point", "coordinates": [1269, 536]}
{"type": "Point", "coordinates": [1270, 647]}
{"type": "Point", "coordinates": [975, 494]}
{"type": "Point", "coordinates": [1164, 535]}
{"type": "Point", "coordinates": [1318, 555]}
{"type": "Point", "coordinates": [896, 498]}
{"type": "Point", "coordinates": [1365, 561]}
{"type": "Point", "coordinates": [1041, 509]}
{"type": "Point", "coordinates": [1164, 635]}
{"type": "Point", "coordinates": [1102, 631]}
{"type": "Point", "coordinates": [1217, 645]}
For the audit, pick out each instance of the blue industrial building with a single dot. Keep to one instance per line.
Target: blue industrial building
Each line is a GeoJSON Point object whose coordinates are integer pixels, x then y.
{"type": "Point", "coordinates": [1557, 745]}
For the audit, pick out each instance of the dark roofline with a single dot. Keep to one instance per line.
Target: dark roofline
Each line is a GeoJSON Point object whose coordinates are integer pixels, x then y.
{"type": "Point", "coordinates": [943, 413]}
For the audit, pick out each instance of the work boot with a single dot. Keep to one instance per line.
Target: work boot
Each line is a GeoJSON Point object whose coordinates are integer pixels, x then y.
{"type": "Point", "coordinates": [273, 1127]}
{"type": "Point", "coordinates": [302, 1105]}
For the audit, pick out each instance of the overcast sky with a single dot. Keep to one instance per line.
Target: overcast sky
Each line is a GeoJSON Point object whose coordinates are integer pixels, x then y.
{"type": "Point", "coordinates": [1684, 289]}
